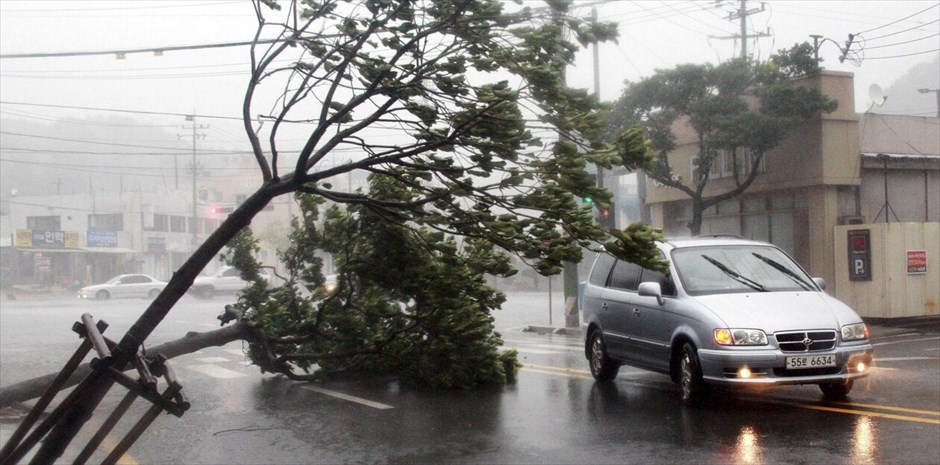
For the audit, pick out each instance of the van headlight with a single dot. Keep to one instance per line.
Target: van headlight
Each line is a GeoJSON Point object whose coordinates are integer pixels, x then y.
{"type": "Point", "coordinates": [740, 337]}
{"type": "Point", "coordinates": [855, 332]}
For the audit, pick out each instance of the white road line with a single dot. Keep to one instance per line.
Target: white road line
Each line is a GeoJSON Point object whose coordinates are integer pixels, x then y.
{"type": "Point", "coordinates": [523, 350]}
{"type": "Point", "coordinates": [358, 400]}
{"type": "Point", "coordinates": [215, 372]}
{"type": "Point", "coordinates": [212, 359]}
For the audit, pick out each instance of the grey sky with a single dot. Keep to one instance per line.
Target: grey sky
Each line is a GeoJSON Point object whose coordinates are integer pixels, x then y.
{"type": "Point", "coordinates": [654, 34]}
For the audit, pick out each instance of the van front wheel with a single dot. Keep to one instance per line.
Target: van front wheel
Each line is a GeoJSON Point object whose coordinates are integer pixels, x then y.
{"type": "Point", "coordinates": [691, 384]}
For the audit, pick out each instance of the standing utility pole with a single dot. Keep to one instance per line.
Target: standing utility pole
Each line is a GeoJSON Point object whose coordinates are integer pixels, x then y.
{"type": "Point", "coordinates": [195, 168]}
{"type": "Point", "coordinates": [742, 13]}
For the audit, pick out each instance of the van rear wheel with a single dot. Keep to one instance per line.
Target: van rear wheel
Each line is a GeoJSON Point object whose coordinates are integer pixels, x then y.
{"type": "Point", "coordinates": [603, 369]}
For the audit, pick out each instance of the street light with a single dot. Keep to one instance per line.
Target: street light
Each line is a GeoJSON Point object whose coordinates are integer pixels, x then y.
{"type": "Point", "coordinates": [936, 91]}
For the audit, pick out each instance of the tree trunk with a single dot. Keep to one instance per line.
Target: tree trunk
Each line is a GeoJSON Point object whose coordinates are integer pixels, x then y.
{"type": "Point", "coordinates": [191, 342]}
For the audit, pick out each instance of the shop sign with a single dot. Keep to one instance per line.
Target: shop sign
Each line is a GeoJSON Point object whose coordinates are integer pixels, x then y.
{"type": "Point", "coordinates": [24, 238]}
{"type": "Point", "coordinates": [47, 239]}
{"type": "Point", "coordinates": [102, 239]}
{"type": "Point", "coordinates": [859, 241]}
{"type": "Point", "coordinates": [916, 262]}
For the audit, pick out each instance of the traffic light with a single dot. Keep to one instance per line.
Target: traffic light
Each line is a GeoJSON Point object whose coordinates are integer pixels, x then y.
{"type": "Point", "coordinates": [606, 218]}
{"type": "Point", "coordinates": [218, 210]}
{"type": "Point", "coordinates": [588, 200]}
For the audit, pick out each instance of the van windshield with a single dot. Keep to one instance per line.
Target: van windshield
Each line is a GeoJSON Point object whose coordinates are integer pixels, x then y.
{"type": "Point", "coordinates": [739, 268]}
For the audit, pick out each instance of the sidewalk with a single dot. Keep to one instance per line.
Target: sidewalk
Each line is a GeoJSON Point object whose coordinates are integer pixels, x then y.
{"type": "Point", "coordinates": [883, 327]}
{"type": "Point", "coordinates": [37, 293]}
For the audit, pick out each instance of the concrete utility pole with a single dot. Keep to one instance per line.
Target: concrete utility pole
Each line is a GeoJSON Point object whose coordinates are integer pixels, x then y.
{"type": "Point", "coordinates": [195, 171]}
{"type": "Point", "coordinates": [742, 13]}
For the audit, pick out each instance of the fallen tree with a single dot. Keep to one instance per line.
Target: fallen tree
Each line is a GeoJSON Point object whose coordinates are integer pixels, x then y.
{"type": "Point", "coordinates": [191, 342]}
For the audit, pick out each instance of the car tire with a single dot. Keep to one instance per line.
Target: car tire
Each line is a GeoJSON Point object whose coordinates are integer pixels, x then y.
{"type": "Point", "coordinates": [603, 369]}
{"type": "Point", "coordinates": [836, 391]}
{"type": "Point", "coordinates": [153, 294]}
{"type": "Point", "coordinates": [692, 387]}
{"type": "Point", "coordinates": [102, 295]}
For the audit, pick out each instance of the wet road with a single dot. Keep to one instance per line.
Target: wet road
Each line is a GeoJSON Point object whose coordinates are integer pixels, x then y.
{"type": "Point", "coordinates": [555, 413]}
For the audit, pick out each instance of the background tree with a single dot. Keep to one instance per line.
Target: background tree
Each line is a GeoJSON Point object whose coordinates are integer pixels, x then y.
{"type": "Point", "coordinates": [739, 107]}
{"type": "Point", "coordinates": [447, 97]}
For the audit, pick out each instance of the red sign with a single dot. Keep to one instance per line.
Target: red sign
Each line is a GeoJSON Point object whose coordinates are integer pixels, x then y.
{"type": "Point", "coordinates": [916, 262]}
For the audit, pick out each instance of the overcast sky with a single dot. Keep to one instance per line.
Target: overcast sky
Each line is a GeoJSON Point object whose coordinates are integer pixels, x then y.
{"type": "Point", "coordinates": [653, 35]}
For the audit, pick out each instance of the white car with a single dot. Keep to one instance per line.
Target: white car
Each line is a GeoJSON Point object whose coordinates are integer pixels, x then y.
{"type": "Point", "coordinates": [139, 286]}
{"type": "Point", "coordinates": [226, 280]}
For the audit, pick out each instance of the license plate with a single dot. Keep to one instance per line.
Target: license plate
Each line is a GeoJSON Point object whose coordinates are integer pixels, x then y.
{"type": "Point", "coordinates": [814, 361]}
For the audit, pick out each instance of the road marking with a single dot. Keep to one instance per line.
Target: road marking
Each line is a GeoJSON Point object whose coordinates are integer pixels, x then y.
{"type": "Point", "coordinates": [581, 374]}
{"type": "Point", "coordinates": [212, 359]}
{"type": "Point", "coordinates": [864, 413]}
{"type": "Point", "coordinates": [574, 374]}
{"type": "Point", "coordinates": [216, 372]}
{"type": "Point", "coordinates": [523, 350]}
{"type": "Point", "coordinates": [896, 409]}
{"type": "Point", "coordinates": [358, 400]}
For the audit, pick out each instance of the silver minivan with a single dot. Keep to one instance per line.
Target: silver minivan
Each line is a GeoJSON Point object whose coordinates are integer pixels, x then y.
{"type": "Point", "coordinates": [730, 312]}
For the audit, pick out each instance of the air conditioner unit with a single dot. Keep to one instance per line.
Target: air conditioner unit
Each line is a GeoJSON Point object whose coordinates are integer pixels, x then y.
{"type": "Point", "coordinates": [855, 219]}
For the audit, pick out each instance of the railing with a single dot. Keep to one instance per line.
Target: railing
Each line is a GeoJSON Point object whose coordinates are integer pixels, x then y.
{"type": "Point", "coordinates": [149, 371]}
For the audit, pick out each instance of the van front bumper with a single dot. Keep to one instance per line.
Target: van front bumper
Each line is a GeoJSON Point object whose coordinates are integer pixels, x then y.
{"type": "Point", "coordinates": [769, 367]}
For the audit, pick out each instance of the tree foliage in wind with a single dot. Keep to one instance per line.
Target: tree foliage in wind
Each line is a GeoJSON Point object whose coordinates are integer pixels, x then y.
{"type": "Point", "coordinates": [408, 302]}
{"type": "Point", "coordinates": [740, 108]}
{"type": "Point", "coordinates": [461, 102]}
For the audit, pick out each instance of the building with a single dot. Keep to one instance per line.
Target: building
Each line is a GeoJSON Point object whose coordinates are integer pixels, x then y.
{"type": "Point", "coordinates": [838, 168]}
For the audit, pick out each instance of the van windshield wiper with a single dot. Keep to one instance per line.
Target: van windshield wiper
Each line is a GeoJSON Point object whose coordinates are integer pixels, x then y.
{"type": "Point", "coordinates": [737, 277]}
{"type": "Point", "coordinates": [786, 271]}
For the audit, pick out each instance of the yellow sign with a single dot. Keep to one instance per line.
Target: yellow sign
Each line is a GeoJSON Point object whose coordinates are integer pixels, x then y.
{"type": "Point", "coordinates": [24, 238]}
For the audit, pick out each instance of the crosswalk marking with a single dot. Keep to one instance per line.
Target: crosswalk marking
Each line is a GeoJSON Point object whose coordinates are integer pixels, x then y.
{"type": "Point", "coordinates": [215, 371]}
{"type": "Point", "coordinates": [358, 400]}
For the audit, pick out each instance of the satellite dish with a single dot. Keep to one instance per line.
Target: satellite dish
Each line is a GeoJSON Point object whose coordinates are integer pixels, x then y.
{"type": "Point", "coordinates": [877, 95]}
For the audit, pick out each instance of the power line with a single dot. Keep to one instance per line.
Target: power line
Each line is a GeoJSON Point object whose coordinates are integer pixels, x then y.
{"type": "Point", "coordinates": [138, 112]}
{"type": "Point", "coordinates": [905, 42]}
{"type": "Point", "coordinates": [903, 56]}
{"type": "Point", "coordinates": [905, 30]}
{"type": "Point", "coordinates": [155, 50]}
{"type": "Point", "coordinates": [125, 8]}
{"type": "Point", "coordinates": [898, 21]}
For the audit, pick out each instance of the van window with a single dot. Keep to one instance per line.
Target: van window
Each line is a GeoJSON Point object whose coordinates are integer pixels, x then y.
{"type": "Point", "coordinates": [601, 270]}
{"type": "Point", "coordinates": [625, 276]}
{"type": "Point", "coordinates": [650, 276]}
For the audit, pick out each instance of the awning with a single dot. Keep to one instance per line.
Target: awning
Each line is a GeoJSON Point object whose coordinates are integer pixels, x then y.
{"type": "Point", "coordinates": [108, 250]}
{"type": "Point", "coordinates": [81, 250]}
{"type": "Point", "coordinates": [45, 250]}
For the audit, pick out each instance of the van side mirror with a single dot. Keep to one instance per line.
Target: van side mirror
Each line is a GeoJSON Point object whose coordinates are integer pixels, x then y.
{"type": "Point", "coordinates": [651, 289]}
{"type": "Point", "coordinates": [820, 282]}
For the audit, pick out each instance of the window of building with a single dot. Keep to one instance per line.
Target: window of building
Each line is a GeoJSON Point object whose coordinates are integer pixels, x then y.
{"type": "Point", "coordinates": [44, 223]}
{"type": "Point", "coordinates": [106, 222]}
{"type": "Point", "coordinates": [178, 224]}
{"type": "Point", "coordinates": [724, 163]}
{"type": "Point", "coordinates": [160, 223]}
